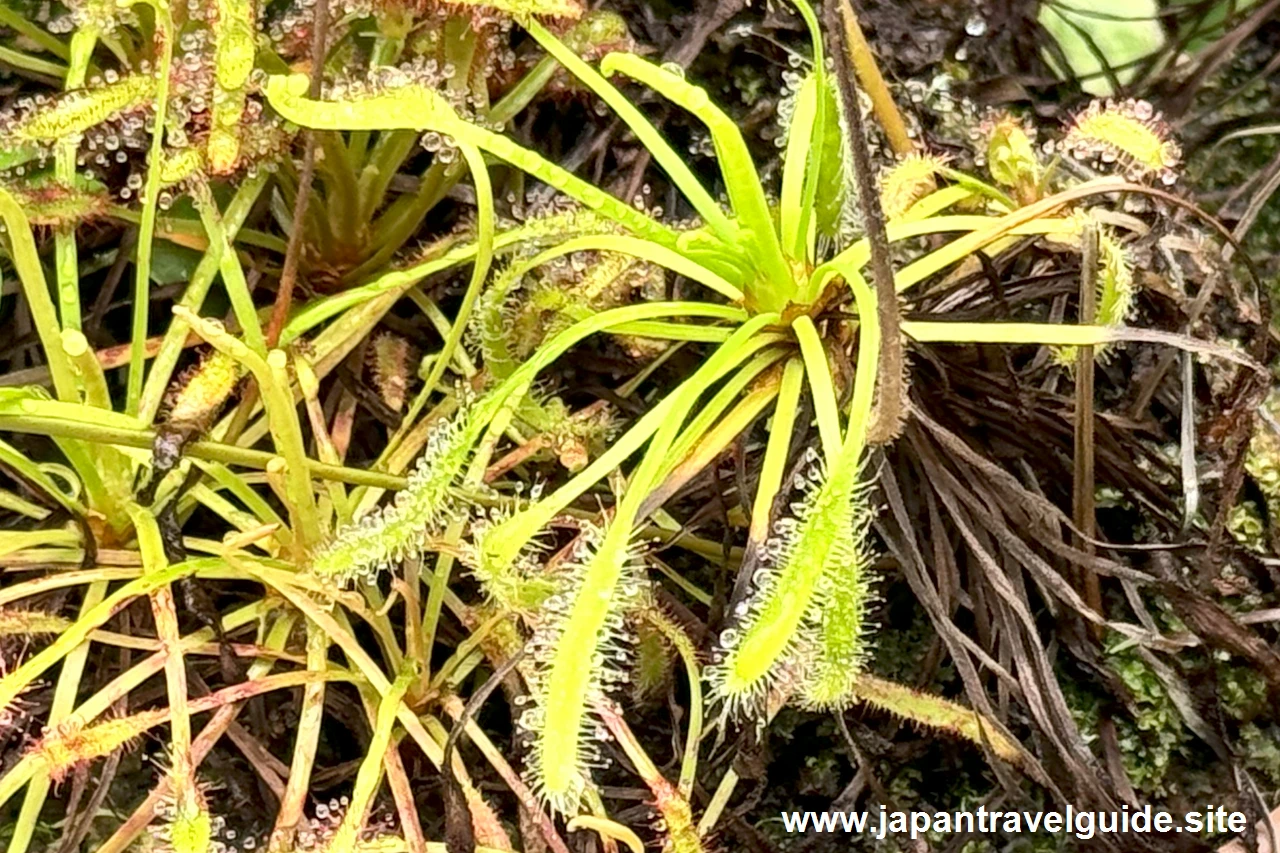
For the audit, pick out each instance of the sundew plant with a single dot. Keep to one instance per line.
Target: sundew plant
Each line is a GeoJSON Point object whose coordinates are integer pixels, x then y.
{"type": "Point", "coordinates": [784, 283]}
{"type": "Point", "coordinates": [162, 126]}
{"type": "Point", "coordinates": [202, 465]}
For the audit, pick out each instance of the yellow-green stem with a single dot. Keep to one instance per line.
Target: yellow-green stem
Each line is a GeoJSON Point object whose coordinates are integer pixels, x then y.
{"type": "Point", "coordinates": [175, 335]}
{"type": "Point", "coordinates": [64, 165]}
{"type": "Point", "coordinates": [776, 450]}
{"type": "Point", "coordinates": [304, 745]}
{"type": "Point", "coordinates": [165, 613]}
{"type": "Point", "coordinates": [370, 772]}
{"type": "Point", "coordinates": [150, 202]}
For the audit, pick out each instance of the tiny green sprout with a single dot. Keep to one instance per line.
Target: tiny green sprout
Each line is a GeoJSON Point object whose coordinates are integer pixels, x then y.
{"type": "Point", "coordinates": [74, 112]}
{"type": "Point", "coordinates": [1012, 160]}
{"type": "Point", "coordinates": [1130, 133]}
{"type": "Point", "coordinates": [70, 745]}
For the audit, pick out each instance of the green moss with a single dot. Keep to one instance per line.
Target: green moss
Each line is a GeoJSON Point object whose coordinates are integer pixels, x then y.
{"type": "Point", "coordinates": [1260, 747]}
{"type": "Point", "coordinates": [1151, 739]}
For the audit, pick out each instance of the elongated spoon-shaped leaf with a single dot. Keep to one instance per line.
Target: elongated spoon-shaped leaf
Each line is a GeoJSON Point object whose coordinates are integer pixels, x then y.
{"type": "Point", "coordinates": [812, 583]}
{"type": "Point", "coordinates": [577, 636]}
{"type": "Point", "coordinates": [804, 621]}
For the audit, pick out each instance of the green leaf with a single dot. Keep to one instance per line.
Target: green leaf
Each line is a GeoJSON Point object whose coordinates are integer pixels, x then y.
{"type": "Point", "coordinates": [173, 264]}
{"type": "Point", "coordinates": [1208, 27]}
{"type": "Point", "coordinates": [1123, 34]}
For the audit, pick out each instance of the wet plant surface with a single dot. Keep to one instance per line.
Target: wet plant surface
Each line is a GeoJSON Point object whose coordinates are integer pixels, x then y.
{"type": "Point", "coordinates": [653, 428]}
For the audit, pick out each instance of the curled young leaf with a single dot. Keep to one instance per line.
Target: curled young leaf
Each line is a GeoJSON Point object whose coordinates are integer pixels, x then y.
{"type": "Point", "coordinates": [202, 390]}
{"type": "Point", "coordinates": [1012, 160]}
{"type": "Point", "coordinates": [909, 180]}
